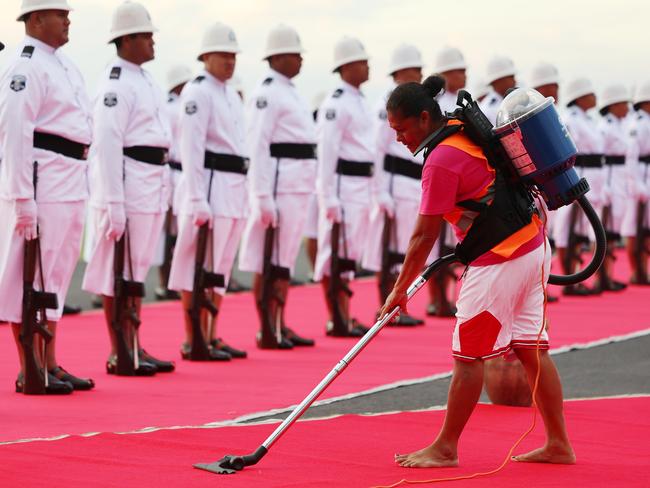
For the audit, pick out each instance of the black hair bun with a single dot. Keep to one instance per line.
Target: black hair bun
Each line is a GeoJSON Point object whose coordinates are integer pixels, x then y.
{"type": "Point", "coordinates": [433, 85]}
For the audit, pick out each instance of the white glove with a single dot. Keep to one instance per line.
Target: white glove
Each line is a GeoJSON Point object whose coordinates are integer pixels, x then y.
{"type": "Point", "coordinates": [333, 210]}
{"type": "Point", "coordinates": [607, 194]}
{"type": "Point", "coordinates": [201, 213]}
{"type": "Point", "coordinates": [268, 211]}
{"type": "Point", "coordinates": [116, 221]}
{"type": "Point", "coordinates": [26, 218]}
{"type": "Point", "coordinates": [386, 204]}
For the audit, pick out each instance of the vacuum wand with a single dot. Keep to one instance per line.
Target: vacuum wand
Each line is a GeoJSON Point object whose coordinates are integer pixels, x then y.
{"type": "Point", "coordinates": [230, 464]}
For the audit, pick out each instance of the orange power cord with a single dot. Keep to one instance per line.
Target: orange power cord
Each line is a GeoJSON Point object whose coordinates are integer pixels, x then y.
{"type": "Point", "coordinates": [534, 394]}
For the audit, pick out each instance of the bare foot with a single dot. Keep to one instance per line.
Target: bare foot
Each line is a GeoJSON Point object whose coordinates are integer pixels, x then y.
{"type": "Point", "coordinates": [548, 454]}
{"type": "Point", "coordinates": [429, 457]}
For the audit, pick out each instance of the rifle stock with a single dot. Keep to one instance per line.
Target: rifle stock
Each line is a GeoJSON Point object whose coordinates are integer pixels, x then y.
{"type": "Point", "coordinates": [642, 234]}
{"type": "Point", "coordinates": [33, 301]}
{"type": "Point", "coordinates": [203, 280]}
{"type": "Point", "coordinates": [337, 286]}
{"type": "Point", "coordinates": [123, 311]}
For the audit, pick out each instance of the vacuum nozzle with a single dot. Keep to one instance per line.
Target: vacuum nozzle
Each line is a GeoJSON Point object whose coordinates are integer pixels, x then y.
{"type": "Point", "coordinates": [230, 464]}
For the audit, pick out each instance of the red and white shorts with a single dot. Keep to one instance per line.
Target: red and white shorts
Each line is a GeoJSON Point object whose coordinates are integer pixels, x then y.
{"type": "Point", "coordinates": [501, 307]}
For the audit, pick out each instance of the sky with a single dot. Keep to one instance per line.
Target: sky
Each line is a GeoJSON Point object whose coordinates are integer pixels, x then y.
{"type": "Point", "coordinates": [605, 41]}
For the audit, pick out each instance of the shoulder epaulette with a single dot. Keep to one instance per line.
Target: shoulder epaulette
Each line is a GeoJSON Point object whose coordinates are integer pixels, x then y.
{"type": "Point", "coordinates": [198, 79]}
{"type": "Point", "coordinates": [116, 71]}
{"type": "Point", "coordinates": [337, 93]}
{"type": "Point", "coordinates": [27, 52]}
{"type": "Point", "coordinates": [170, 99]}
{"type": "Point", "coordinates": [267, 81]}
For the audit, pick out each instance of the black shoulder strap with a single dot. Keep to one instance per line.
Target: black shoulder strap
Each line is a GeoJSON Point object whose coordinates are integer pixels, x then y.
{"type": "Point", "coordinates": [436, 138]}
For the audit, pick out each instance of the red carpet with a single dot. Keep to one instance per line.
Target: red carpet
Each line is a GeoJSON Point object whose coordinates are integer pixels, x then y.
{"type": "Point", "coordinates": [199, 393]}
{"type": "Point", "coordinates": [610, 438]}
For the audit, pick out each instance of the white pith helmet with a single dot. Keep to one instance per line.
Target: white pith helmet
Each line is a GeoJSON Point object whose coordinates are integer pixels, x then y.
{"type": "Point", "coordinates": [348, 50]}
{"type": "Point", "coordinates": [499, 67]}
{"type": "Point", "coordinates": [29, 6]}
{"type": "Point", "coordinates": [130, 18]}
{"type": "Point", "coordinates": [642, 93]}
{"type": "Point", "coordinates": [405, 56]}
{"type": "Point", "coordinates": [614, 94]}
{"type": "Point", "coordinates": [480, 90]}
{"type": "Point", "coordinates": [449, 59]}
{"type": "Point", "coordinates": [577, 88]}
{"type": "Point", "coordinates": [544, 74]}
{"type": "Point", "coordinates": [177, 75]}
{"type": "Point", "coordinates": [282, 40]}
{"type": "Point", "coordinates": [218, 38]}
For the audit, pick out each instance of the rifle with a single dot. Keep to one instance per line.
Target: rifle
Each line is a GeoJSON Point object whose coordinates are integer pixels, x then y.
{"type": "Point", "coordinates": [170, 242]}
{"type": "Point", "coordinates": [124, 310]}
{"type": "Point", "coordinates": [203, 280]}
{"type": "Point", "coordinates": [440, 276]}
{"type": "Point", "coordinates": [337, 286]}
{"type": "Point", "coordinates": [388, 259]}
{"type": "Point", "coordinates": [576, 240]}
{"type": "Point", "coordinates": [611, 236]}
{"type": "Point", "coordinates": [269, 302]}
{"type": "Point", "coordinates": [35, 382]}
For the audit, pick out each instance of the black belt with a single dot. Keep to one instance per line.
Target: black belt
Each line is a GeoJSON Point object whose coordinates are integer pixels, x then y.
{"type": "Point", "coordinates": [401, 166]}
{"type": "Point", "coordinates": [354, 168]}
{"type": "Point", "coordinates": [293, 151]}
{"type": "Point", "coordinates": [61, 145]}
{"type": "Point", "coordinates": [175, 165]}
{"type": "Point", "coordinates": [589, 161]}
{"type": "Point", "coordinates": [645, 159]}
{"type": "Point", "coordinates": [228, 163]}
{"type": "Point", "coordinates": [614, 160]}
{"type": "Point", "coordinates": [147, 154]}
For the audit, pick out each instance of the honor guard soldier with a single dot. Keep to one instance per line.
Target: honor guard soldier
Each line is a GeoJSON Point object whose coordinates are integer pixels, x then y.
{"type": "Point", "coordinates": [614, 110]}
{"type": "Point", "coordinates": [45, 130]}
{"type": "Point", "coordinates": [177, 77]}
{"type": "Point", "coordinates": [281, 140]}
{"type": "Point", "coordinates": [571, 231]}
{"type": "Point", "coordinates": [129, 187]}
{"type": "Point", "coordinates": [345, 186]}
{"type": "Point", "coordinates": [451, 66]}
{"type": "Point", "coordinates": [398, 175]}
{"type": "Point", "coordinates": [545, 78]}
{"type": "Point", "coordinates": [212, 194]}
{"type": "Point", "coordinates": [636, 223]}
{"type": "Point", "coordinates": [501, 78]}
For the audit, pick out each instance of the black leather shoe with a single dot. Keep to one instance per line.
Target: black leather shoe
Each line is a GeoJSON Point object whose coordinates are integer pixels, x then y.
{"type": "Point", "coordinates": [235, 286]}
{"type": "Point", "coordinates": [273, 343]}
{"type": "Point", "coordinates": [613, 285]}
{"type": "Point", "coordinates": [161, 366]}
{"type": "Point", "coordinates": [214, 354]}
{"type": "Point", "coordinates": [96, 301]}
{"type": "Point", "coordinates": [55, 386]}
{"type": "Point", "coordinates": [144, 368]}
{"type": "Point", "coordinates": [71, 309]}
{"type": "Point", "coordinates": [295, 339]}
{"type": "Point", "coordinates": [578, 290]}
{"type": "Point", "coordinates": [552, 299]}
{"type": "Point", "coordinates": [80, 384]}
{"type": "Point", "coordinates": [357, 329]}
{"type": "Point", "coordinates": [406, 321]}
{"type": "Point", "coordinates": [434, 310]}
{"type": "Point", "coordinates": [166, 294]}
{"type": "Point", "coordinates": [639, 281]}
{"type": "Point", "coordinates": [220, 345]}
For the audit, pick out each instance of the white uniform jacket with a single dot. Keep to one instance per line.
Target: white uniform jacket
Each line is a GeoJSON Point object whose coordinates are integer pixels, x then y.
{"type": "Point", "coordinates": [447, 101]}
{"type": "Point", "coordinates": [490, 105]}
{"type": "Point", "coordinates": [42, 90]}
{"type": "Point", "coordinates": [616, 141]}
{"type": "Point", "coordinates": [276, 113]}
{"type": "Point", "coordinates": [638, 156]}
{"type": "Point", "coordinates": [397, 185]}
{"type": "Point", "coordinates": [345, 131]}
{"type": "Point", "coordinates": [129, 111]}
{"type": "Point", "coordinates": [211, 120]}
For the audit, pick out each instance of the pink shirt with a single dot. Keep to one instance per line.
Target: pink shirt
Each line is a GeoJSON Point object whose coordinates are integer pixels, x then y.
{"type": "Point", "coordinates": [451, 175]}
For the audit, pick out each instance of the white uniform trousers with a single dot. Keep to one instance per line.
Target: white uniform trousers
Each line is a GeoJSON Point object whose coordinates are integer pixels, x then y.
{"type": "Point", "coordinates": [144, 232]}
{"type": "Point", "coordinates": [292, 217]}
{"type": "Point", "coordinates": [406, 213]}
{"type": "Point", "coordinates": [311, 226]}
{"type": "Point", "coordinates": [629, 227]}
{"type": "Point", "coordinates": [60, 227]}
{"type": "Point", "coordinates": [223, 240]}
{"type": "Point", "coordinates": [355, 228]}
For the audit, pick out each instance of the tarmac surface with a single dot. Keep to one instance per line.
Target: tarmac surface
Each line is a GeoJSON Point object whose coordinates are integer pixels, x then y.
{"type": "Point", "coordinates": [618, 368]}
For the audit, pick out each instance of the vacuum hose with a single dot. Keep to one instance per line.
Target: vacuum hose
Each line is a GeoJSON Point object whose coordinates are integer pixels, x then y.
{"type": "Point", "coordinates": [599, 252]}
